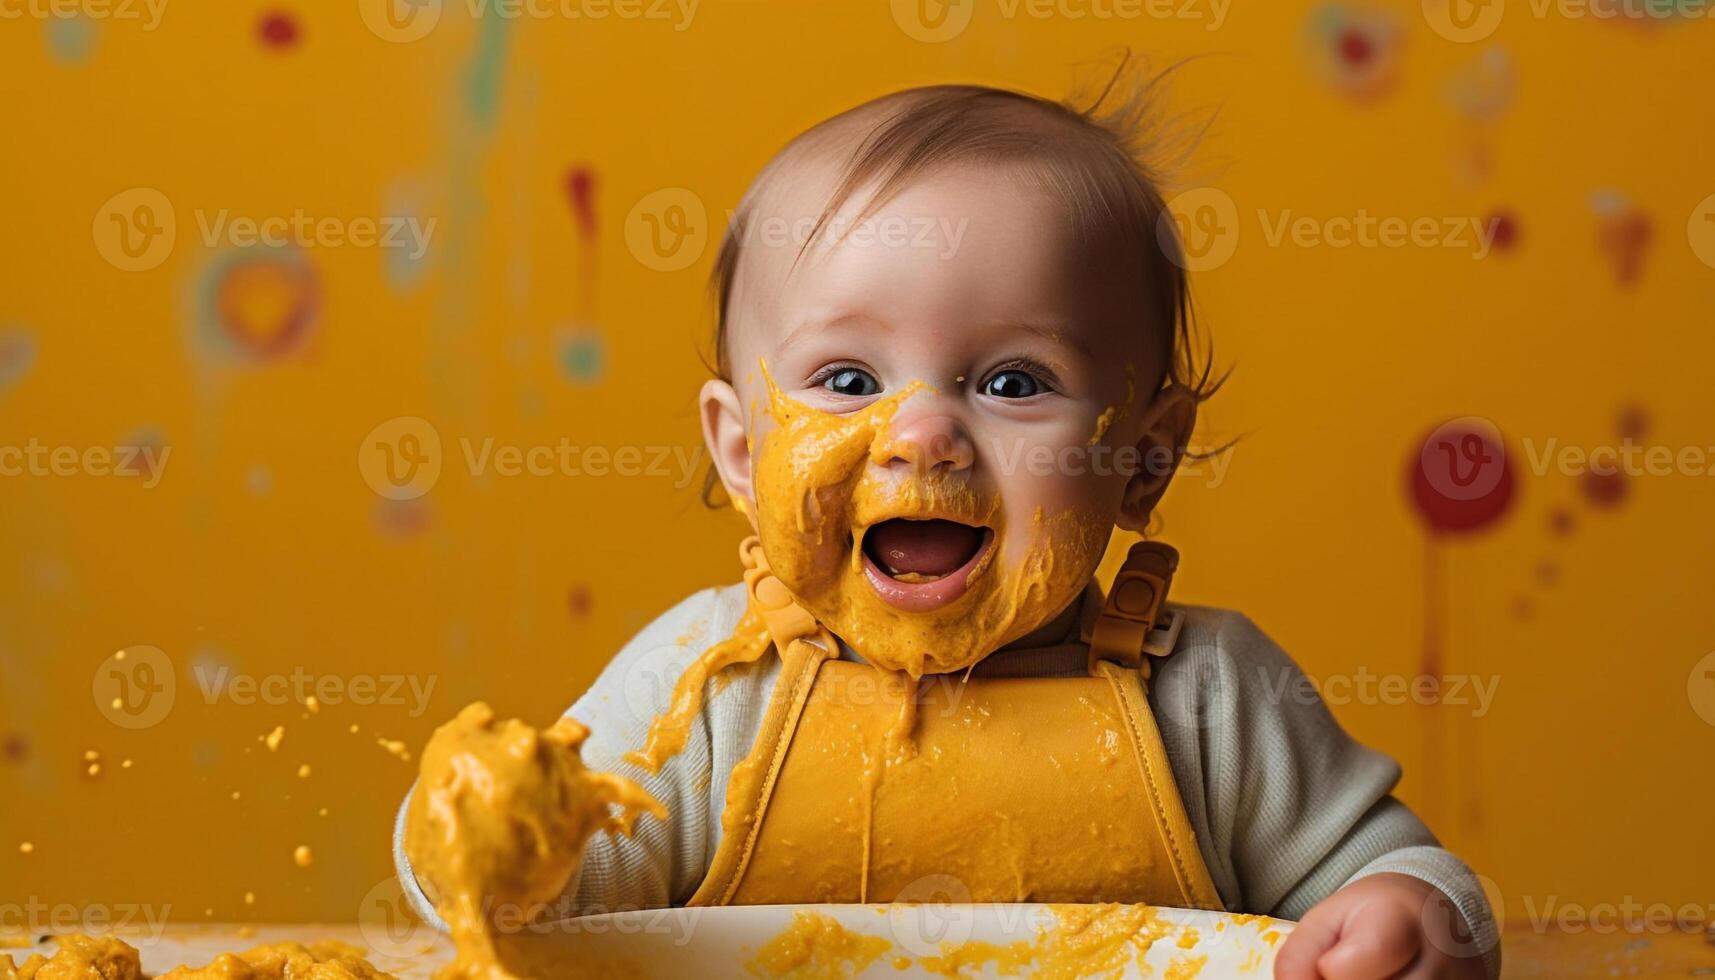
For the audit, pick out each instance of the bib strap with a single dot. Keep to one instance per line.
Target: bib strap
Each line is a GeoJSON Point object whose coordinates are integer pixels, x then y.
{"type": "Point", "coordinates": [785, 619]}
{"type": "Point", "coordinates": [1132, 623]}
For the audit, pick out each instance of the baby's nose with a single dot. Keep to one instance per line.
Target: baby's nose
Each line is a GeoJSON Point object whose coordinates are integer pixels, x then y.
{"type": "Point", "coordinates": [929, 443]}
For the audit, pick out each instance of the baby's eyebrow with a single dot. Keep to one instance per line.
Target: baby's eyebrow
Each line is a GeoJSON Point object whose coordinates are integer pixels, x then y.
{"type": "Point", "coordinates": [1054, 333]}
{"type": "Point", "coordinates": [812, 324]}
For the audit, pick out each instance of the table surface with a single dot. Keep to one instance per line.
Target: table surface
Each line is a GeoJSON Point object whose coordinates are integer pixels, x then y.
{"type": "Point", "coordinates": [1530, 953]}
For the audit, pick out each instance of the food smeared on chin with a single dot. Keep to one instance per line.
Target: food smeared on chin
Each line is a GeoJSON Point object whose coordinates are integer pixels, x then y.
{"type": "Point", "coordinates": [497, 826]}
{"type": "Point", "coordinates": [907, 569]}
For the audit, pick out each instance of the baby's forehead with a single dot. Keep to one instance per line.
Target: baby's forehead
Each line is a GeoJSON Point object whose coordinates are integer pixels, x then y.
{"type": "Point", "coordinates": [803, 227]}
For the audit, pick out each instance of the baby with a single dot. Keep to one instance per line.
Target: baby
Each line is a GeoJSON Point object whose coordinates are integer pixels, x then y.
{"type": "Point", "coordinates": [954, 354]}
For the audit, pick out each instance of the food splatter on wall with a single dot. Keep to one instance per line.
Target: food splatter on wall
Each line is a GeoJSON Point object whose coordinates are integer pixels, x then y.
{"type": "Point", "coordinates": [348, 355]}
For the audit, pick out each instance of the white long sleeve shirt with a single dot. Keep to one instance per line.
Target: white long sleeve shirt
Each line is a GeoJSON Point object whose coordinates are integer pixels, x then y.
{"type": "Point", "coordinates": [1286, 806]}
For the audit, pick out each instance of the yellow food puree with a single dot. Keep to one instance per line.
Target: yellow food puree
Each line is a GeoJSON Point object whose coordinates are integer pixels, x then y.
{"type": "Point", "coordinates": [816, 494]}
{"type": "Point", "coordinates": [88, 958]}
{"type": "Point", "coordinates": [497, 826]}
{"type": "Point", "coordinates": [1085, 941]}
{"type": "Point", "coordinates": [816, 947]}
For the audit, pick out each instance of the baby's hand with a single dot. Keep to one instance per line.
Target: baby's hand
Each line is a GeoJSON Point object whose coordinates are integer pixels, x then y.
{"type": "Point", "coordinates": [1380, 926]}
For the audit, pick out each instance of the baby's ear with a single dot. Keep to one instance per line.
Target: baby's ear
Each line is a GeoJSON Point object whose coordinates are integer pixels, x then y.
{"type": "Point", "coordinates": [727, 441]}
{"type": "Point", "coordinates": [1167, 426]}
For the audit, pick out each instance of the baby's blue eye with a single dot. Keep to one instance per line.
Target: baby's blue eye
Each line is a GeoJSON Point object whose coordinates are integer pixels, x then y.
{"type": "Point", "coordinates": [851, 382]}
{"type": "Point", "coordinates": [1012, 384]}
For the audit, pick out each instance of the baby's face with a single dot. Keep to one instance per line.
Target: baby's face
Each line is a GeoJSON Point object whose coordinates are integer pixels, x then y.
{"type": "Point", "coordinates": [982, 368]}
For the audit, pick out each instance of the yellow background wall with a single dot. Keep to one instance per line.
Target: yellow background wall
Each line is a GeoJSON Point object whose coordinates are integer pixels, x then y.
{"type": "Point", "coordinates": [262, 550]}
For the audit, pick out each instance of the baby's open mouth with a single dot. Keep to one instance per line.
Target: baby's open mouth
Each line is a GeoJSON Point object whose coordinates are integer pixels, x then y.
{"type": "Point", "coordinates": [919, 565]}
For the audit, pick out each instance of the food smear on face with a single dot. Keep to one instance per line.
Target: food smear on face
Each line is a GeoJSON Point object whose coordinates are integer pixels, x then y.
{"type": "Point", "coordinates": [669, 730]}
{"type": "Point", "coordinates": [497, 826]}
{"type": "Point", "coordinates": [816, 947]}
{"type": "Point", "coordinates": [825, 481]}
{"type": "Point", "coordinates": [1114, 413]}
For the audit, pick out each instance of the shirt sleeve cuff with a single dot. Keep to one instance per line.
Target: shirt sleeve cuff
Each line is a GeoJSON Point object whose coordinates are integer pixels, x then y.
{"type": "Point", "coordinates": [1438, 868]}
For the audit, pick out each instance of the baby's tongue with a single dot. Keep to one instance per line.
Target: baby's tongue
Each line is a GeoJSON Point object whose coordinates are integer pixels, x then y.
{"type": "Point", "coordinates": [923, 547]}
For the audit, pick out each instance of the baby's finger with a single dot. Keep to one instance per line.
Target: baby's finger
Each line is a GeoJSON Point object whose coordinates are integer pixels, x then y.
{"type": "Point", "coordinates": [1306, 944]}
{"type": "Point", "coordinates": [1377, 940]}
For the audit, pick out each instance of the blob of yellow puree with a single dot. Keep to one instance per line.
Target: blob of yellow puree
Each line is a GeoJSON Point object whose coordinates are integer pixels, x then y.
{"type": "Point", "coordinates": [497, 825]}
{"type": "Point", "coordinates": [82, 957]}
{"type": "Point", "coordinates": [816, 495]}
{"type": "Point", "coordinates": [817, 947]}
{"type": "Point", "coordinates": [1085, 941]}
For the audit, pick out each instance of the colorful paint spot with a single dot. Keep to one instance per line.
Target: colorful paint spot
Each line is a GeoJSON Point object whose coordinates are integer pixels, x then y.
{"type": "Point", "coordinates": [578, 601]}
{"type": "Point", "coordinates": [141, 451]}
{"type": "Point", "coordinates": [406, 267]}
{"type": "Point", "coordinates": [278, 30]}
{"type": "Point", "coordinates": [1460, 477]}
{"type": "Point", "coordinates": [1604, 490]}
{"type": "Point", "coordinates": [1505, 225]}
{"type": "Point", "coordinates": [580, 191]}
{"type": "Point", "coordinates": [1483, 88]}
{"type": "Point", "coordinates": [1355, 50]}
{"type": "Point", "coordinates": [581, 354]}
{"type": "Point", "coordinates": [401, 518]}
{"type": "Point", "coordinates": [1632, 422]}
{"type": "Point", "coordinates": [70, 40]}
{"type": "Point", "coordinates": [15, 748]}
{"type": "Point", "coordinates": [17, 355]}
{"type": "Point", "coordinates": [257, 305]}
{"type": "Point", "coordinates": [1623, 233]}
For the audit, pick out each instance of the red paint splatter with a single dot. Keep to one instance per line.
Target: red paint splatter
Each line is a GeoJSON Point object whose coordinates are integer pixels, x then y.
{"type": "Point", "coordinates": [1562, 522]}
{"type": "Point", "coordinates": [1547, 573]}
{"type": "Point", "coordinates": [1522, 607]}
{"type": "Point", "coordinates": [1505, 230]}
{"type": "Point", "coordinates": [15, 748]}
{"type": "Point", "coordinates": [1606, 490]}
{"type": "Point", "coordinates": [277, 29]}
{"type": "Point", "coordinates": [1460, 477]}
{"type": "Point", "coordinates": [579, 600]}
{"type": "Point", "coordinates": [580, 189]}
{"type": "Point", "coordinates": [1632, 422]}
{"type": "Point", "coordinates": [1355, 48]}
{"type": "Point", "coordinates": [1625, 237]}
